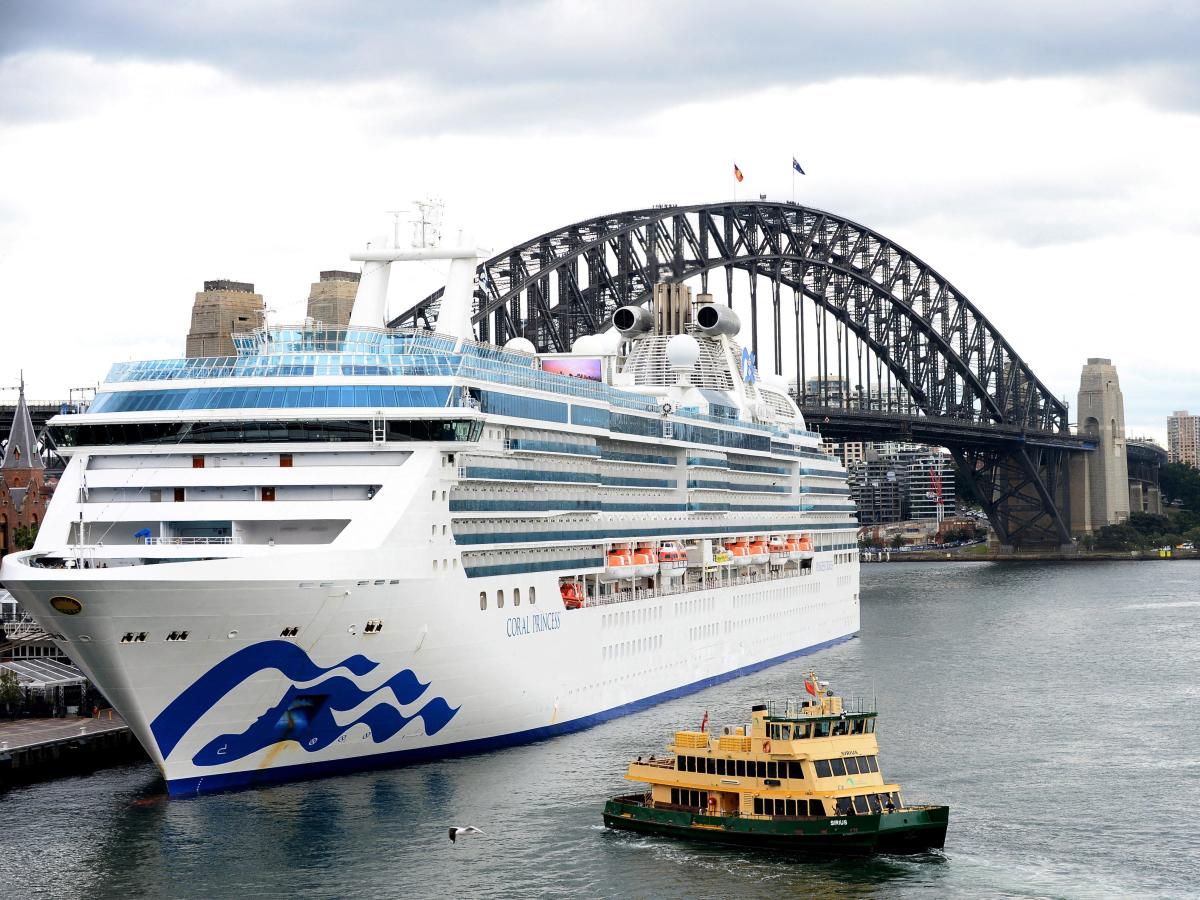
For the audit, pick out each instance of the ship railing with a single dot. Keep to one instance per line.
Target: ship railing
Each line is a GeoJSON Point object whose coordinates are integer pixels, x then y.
{"type": "Point", "coordinates": [687, 585]}
{"type": "Point", "coordinates": [179, 541]}
{"type": "Point", "coordinates": [792, 708]}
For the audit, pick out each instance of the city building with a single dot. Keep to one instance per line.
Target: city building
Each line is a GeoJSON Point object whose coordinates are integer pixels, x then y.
{"type": "Point", "coordinates": [331, 299]}
{"type": "Point", "coordinates": [897, 482]}
{"type": "Point", "coordinates": [222, 309]}
{"type": "Point", "coordinates": [23, 492]}
{"type": "Point", "coordinates": [1183, 438]}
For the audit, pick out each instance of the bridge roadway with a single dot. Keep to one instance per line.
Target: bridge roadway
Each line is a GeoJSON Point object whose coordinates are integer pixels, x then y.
{"type": "Point", "coordinates": [840, 424]}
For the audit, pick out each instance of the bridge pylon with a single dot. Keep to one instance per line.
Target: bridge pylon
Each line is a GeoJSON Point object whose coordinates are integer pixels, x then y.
{"type": "Point", "coordinates": [1100, 480]}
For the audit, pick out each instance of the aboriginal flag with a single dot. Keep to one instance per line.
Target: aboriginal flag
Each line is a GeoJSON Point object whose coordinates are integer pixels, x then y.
{"type": "Point", "coordinates": [737, 173]}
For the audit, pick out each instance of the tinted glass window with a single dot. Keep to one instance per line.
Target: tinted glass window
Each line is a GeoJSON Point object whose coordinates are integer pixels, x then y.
{"type": "Point", "coordinates": [838, 767]}
{"type": "Point", "coordinates": [860, 805]}
{"type": "Point", "coordinates": [796, 770]}
{"type": "Point", "coordinates": [816, 807]}
{"type": "Point", "coordinates": [758, 806]}
{"type": "Point", "coordinates": [720, 767]}
{"type": "Point", "coordinates": [675, 796]}
{"type": "Point", "coordinates": [873, 800]}
{"type": "Point", "coordinates": [711, 766]}
{"type": "Point", "coordinates": [790, 807]}
{"type": "Point", "coordinates": [872, 764]}
{"type": "Point", "coordinates": [851, 765]}
{"type": "Point", "coordinates": [823, 770]}
{"type": "Point", "coordinates": [741, 767]}
{"type": "Point", "coordinates": [760, 768]}
{"type": "Point", "coordinates": [772, 770]}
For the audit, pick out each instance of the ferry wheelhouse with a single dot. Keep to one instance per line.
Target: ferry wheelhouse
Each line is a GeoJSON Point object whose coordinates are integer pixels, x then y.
{"type": "Point", "coordinates": [358, 546]}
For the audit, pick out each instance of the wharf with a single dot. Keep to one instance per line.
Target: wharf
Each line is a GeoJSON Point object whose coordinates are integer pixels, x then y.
{"type": "Point", "coordinates": [39, 749]}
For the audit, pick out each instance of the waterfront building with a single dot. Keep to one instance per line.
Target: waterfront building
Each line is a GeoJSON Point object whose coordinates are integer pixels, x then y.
{"type": "Point", "coordinates": [23, 492]}
{"type": "Point", "coordinates": [897, 481]}
{"type": "Point", "coordinates": [222, 309]}
{"type": "Point", "coordinates": [1183, 438]}
{"type": "Point", "coordinates": [331, 300]}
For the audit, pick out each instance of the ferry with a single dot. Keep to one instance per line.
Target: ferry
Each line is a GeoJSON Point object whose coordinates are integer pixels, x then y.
{"type": "Point", "coordinates": [360, 546]}
{"type": "Point", "coordinates": [801, 776]}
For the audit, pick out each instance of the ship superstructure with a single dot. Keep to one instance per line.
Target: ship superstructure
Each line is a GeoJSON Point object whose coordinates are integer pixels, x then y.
{"type": "Point", "coordinates": [350, 547]}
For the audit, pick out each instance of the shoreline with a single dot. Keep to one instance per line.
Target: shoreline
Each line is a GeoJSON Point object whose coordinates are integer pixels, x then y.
{"type": "Point", "coordinates": [892, 556]}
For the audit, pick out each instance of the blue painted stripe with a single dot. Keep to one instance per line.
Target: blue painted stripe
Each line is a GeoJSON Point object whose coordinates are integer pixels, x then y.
{"type": "Point", "coordinates": [546, 565]}
{"type": "Point", "coordinates": [206, 784]}
{"type": "Point", "coordinates": [514, 537]}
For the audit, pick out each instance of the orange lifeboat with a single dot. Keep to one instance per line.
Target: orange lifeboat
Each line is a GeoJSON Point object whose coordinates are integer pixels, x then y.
{"type": "Point", "coordinates": [645, 562]}
{"type": "Point", "coordinates": [740, 551]}
{"type": "Point", "coordinates": [806, 547]}
{"type": "Point", "coordinates": [619, 565]}
{"type": "Point", "coordinates": [672, 560]}
{"type": "Point", "coordinates": [572, 594]}
{"type": "Point", "coordinates": [758, 553]}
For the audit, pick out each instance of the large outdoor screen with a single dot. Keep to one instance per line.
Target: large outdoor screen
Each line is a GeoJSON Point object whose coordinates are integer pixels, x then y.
{"type": "Point", "coordinates": [576, 367]}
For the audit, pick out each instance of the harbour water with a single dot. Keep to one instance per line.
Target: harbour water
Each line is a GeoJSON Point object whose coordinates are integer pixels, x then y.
{"type": "Point", "coordinates": [1053, 706]}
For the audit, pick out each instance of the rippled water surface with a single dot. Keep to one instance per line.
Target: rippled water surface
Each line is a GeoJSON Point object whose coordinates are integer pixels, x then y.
{"type": "Point", "coordinates": [1055, 708]}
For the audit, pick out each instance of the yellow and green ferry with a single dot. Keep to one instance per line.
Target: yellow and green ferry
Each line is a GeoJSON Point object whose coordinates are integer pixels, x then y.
{"type": "Point", "coordinates": [801, 776]}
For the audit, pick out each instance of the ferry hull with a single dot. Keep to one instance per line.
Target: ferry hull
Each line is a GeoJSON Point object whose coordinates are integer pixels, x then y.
{"type": "Point", "coordinates": [908, 830]}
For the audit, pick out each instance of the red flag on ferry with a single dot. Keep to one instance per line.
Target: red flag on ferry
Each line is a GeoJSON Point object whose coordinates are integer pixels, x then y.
{"type": "Point", "coordinates": [704, 724]}
{"type": "Point", "coordinates": [810, 687]}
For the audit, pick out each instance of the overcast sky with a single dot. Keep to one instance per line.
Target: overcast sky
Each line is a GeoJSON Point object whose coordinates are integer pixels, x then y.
{"type": "Point", "coordinates": [1041, 155]}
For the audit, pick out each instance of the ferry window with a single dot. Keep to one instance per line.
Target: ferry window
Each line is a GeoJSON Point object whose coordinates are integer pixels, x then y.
{"type": "Point", "coordinates": [821, 729]}
{"type": "Point", "coordinates": [838, 767]}
{"type": "Point", "coordinates": [785, 732]}
{"type": "Point", "coordinates": [532, 595]}
{"type": "Point", "coordinates": [675, 796]}
{"type": "Point", "coordinates": [720, 767]}
{"type": "Point", "coordinates": [760, 768]}
{"type": "Point", "coordinates": [843, 806]}
{"type": "Point", "coordinates": [790, 808]}
{"type": "Point", "coordinates": [483, 599]}
{"type": "Point", "coordinates": [822, 768]}
{"type": "Point", "coordinates": [772, 770]}
{"type": "Point", "coordinates": [680, 765]}
{"type": "Point", "coordinates": [702, 799]}
{"type": "Point", "coordinates": [500, 599]}
{"type": "Point", "coordinates": [873, 763]}
{"type": "Point", "coordinates": [870, 726]}
{"type": "Point", "coordinates": [691, 764]}
{"type": "Point", "coordinates": [873, 800]}
{"type": "Point", "coordinates": [851, 765]}
{"type": "Point", "coordinates": [896, 799]}
{"type": "Point", "coordinates": [800, 731]}
{"type": "Point", "coordinates": [758, 809]}
{"type": "Point", "coordinates": [741, 768]}
{"type": "Point", "coordinates": [816, 807]}
{"type": "Point", "coordinates": [860, 805]}
{"type": "Point", "coordinates": [516, 596]}
{"type": "Point", "coordinates": [795, 770]}
{"type": "Point", "coordinates": [710, 766]}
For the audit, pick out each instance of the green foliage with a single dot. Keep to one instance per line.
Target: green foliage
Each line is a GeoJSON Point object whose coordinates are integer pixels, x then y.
{"type": "Point", "coordinates": [969, 533]}
{"type": "Point", "coordinates": [1180, 484]}
{"type": "Point", "coordinates": [897, 542]}
{"type": "Point", "coordinates": [10, 687]}
{"type": "Point", "coordinates": [24, 536]}
{"type": "Point", "coordinates": [1119, 537]}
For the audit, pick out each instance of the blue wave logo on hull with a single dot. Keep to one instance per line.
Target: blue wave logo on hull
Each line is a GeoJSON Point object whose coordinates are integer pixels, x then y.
{"type": "Point", "coordinates": [304, 715]}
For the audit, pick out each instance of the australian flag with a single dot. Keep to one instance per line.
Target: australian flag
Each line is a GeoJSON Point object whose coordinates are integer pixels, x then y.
{"type": "Point", "coordinates": [796, 166]}
{"type": "Point", "coordinates": [749, 375]}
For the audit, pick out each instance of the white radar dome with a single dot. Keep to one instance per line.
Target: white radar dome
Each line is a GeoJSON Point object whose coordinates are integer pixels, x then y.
{"type": "Point", "coordinates": [608, 343]}
{"type": "Point", "coordinates": [682, 351]}
{"type": "Point", "coordinates": [585, 344]}
{"type": "Point", "coordinates": [521, 345]}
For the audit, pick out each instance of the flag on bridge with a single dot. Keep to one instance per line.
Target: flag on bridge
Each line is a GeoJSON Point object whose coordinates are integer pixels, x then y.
{"type": "Point", "coordinates": [796, 166]}
{"type": "Point", "coordinates": [737, 173]}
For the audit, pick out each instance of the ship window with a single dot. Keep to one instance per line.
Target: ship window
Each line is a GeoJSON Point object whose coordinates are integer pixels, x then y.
{"type": "Point", "coordinates": [675, 796]}
{"type": "Point", "coordinates": [483, 599]}
{"type": "Point", "coordinates": [760, 768]}
{"type": "Point", "coordinates": [680, 764]}
{"type": "Point", "coordinates": [785, 732]}
{"type": "Point", "coordinates": [816, 807]}
{"type": "Point", "coordinates": [860, 805]}
{"type": "Point", "coordinates": [870, 726]}
{"type": "Point", "coordinates": [790, 808]}
{"type": "Point", "coordinates": [873, 800]}
{"type": "Point", "coordinates": [801, 731]}
{"type": "Point", "coordinates": [741, 768]}
{"type": "Point", "coordinates": [758, 806]}
{"type": "Point", "coordinates": [516, 596]}
{"type": "Point", "coordinates": [844, 806]}
{"type": "Point", "coordinates": [821, 729]}
{"type": "Point", "coordinates": [839, 767]}
{"type": "Point", "coordinates": [896, 798]}
{"type": "Point", "coordinates": [822, 767]}
{"type": "Point", "coordinates": [285, 460]}
{"type": "Point", "coordinates": [179, 495]}
{"type": "Point", "coordinates": [720, 767]}
{"type": "Point", "coordinates": [702, 799]}
{"type": "Point", "coordinates": [873, 763]}
{"type": "Point", "coordinates": [795, 770]}
{"type": "Point", "coordinates": [772, 770]}
{"type": "Point", "coordinates": [851, 765]}
{"type": "Point", "coordinates": [197, 462]}
{"type": "Point", "coordinates": [499, 599]}
{"type": "Point", "coordinates": [532, 595]}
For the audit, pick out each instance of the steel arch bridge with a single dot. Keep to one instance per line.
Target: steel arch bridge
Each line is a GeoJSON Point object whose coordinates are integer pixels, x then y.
{"type": "Point", "coordinates": [898, 350]}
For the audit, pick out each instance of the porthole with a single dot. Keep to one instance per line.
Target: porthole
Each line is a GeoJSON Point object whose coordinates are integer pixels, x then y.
{"type": "Point", "coordinates": [499, 599]}
{"type": "Point", "coordinates": [516, 596]}
{"type": "Point", "coordinates": [483, 599]}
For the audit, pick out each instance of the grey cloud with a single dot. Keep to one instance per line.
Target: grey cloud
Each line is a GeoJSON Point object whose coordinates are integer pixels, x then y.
{"type": "Point", "coordinates": [542, 57]}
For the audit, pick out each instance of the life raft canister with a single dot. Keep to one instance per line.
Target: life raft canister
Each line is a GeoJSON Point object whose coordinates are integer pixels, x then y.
{"type": "Point", "coordinates": [712, 802]}
{"type": "Point", "coordinates": [767, 746]}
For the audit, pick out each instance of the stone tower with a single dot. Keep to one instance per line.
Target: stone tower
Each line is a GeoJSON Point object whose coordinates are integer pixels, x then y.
{"type": "Point", "coordinates": [332, 298]}
{"type": "Point", "coordinates": [222, 309]}
{"type": "Point", "coordinates": [22, 479]}
{"type": "Point", "coordinates": [1100, 479]}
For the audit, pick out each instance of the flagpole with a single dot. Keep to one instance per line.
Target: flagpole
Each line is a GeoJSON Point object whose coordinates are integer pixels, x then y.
{"type": "Point", "coordinates": [793, 177]}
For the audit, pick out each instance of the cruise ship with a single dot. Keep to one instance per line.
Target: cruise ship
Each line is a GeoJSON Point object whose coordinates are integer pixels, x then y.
{"type": "Point", "coordinates": [352, 547]}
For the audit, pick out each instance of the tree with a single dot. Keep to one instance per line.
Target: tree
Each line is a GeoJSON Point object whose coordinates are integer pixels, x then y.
{"type": "Point", "coordinates": [10, 689]}
{"type": "Point", "coordinates": [1180, 484]}
{"type": "Point", "coordinates": [897, 542]}
{"type": "Point", "coordinates": [24, 536]}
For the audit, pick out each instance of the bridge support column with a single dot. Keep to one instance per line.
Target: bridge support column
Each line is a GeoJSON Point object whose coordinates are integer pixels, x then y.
{"type": "Point", "coordinates": [1025, 493]}
{"type": "Point", "coordinates": [1100, 479]}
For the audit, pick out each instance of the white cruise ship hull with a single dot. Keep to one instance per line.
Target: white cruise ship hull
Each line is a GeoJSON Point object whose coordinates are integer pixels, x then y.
{"type": "Point", "coordinates": [235, 704]}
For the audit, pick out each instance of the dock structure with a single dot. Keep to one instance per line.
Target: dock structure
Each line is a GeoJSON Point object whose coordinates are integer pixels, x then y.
{"type": "Point", "coordinates": [38, 749]}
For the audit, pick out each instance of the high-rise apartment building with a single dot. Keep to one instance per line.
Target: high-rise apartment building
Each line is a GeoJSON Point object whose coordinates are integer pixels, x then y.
{"type": "Point", "coordinates": [222, 309]}
{"type": "Point", "coordinates": [1183, 438]}
{"type": "Point", "coordinates": [331, 299]}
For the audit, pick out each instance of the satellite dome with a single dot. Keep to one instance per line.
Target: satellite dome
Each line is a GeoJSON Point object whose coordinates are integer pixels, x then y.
{"type": "Point", "coordinates": [585, 344]}
{"type": "Point", "coordinates": [608, 343]}
{"type": "Point", "coordinates": [520, 345]}
{"type": "Point", "coordinates": [682, 351]}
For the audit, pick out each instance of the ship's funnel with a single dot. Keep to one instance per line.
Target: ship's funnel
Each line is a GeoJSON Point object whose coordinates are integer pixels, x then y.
{"type": "Point", "coordinates": [714, 320]}
{"type": "Point", "coordinates": [633, 320]}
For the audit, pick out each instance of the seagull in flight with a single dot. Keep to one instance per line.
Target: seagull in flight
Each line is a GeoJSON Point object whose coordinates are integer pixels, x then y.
{"type": "Point", "coordinates": [464, 831]}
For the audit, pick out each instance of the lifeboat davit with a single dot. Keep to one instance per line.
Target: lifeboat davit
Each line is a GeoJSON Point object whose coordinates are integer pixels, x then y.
{"type": "Point", "coordinates": [806, 547]}
{"type": "Point", "coordinates": [645, 562]}
{"type": "Point", "coordinates": [672, 560]}
{"type": "Point", "coordinates": [618, 566]}
{"type": "Point", "coordinates": [759, 555]}
{"type": "Point", "coordinates": [572, 594]}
